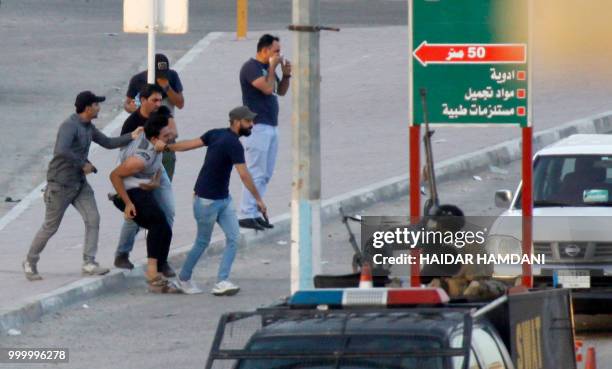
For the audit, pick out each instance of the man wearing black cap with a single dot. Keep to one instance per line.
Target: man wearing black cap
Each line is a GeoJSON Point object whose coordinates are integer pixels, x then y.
{"type": "Point", "coordinates": [212, 202]}
{"type": "Point", "coordinates": [66, 182]}
{"type": "Point", "coordinates": [166, 78]}
{"type": "Point", "coordinates": [172, 95]}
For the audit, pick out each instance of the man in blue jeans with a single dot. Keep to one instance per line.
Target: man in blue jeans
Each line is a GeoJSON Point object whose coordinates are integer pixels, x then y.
{"type": "Point", "coordinates": [150, 103]}
{"type": "Point", "coordinates": [260, 86]}
{"type": "Point", "coordinates": [212, 201]}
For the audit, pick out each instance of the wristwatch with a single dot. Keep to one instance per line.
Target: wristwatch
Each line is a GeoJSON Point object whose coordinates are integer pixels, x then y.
{"type": "Point", "coordinates": [167, 148]}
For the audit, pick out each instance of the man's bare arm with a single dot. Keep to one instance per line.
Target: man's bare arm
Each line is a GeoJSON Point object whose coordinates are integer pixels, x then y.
{"type": "Point", "coordinates": [184, 145]}
{"type": "Point", "coordinates": [267, 84]}
{"type": "Point", "coordinates": [129, 167]}
{"type": "Point", "coordinates": [246, 178]}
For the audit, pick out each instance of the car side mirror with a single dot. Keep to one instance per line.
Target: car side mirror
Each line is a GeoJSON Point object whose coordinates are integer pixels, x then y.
{"type": "Point", "coordinates": [503, 198]}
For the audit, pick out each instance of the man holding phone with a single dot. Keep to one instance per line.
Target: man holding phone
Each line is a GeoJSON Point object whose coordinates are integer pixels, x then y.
{"type": "Point", "coordinates": [260, 86]}
{"type": "Point", "coordinates": [172, 96]}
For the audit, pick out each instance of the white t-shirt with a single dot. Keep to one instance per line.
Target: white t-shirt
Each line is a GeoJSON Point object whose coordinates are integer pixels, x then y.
{"type": "Point", "coordinates": [144, 150]}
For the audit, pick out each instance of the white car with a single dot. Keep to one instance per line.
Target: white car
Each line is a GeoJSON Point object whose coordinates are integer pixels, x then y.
{"type": "Point", "coordinates": [572, 223]}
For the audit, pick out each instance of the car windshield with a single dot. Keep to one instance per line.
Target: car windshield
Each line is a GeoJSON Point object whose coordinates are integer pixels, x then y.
{"type": "Point", "coordinates": [572, 180]}
{"type": "Point", "coordinates": [330, 344]}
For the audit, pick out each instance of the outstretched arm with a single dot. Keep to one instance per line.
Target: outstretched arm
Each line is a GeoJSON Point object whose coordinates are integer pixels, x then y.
{"type": "Point", "coordinates": [129, 167]}
{"type": "Point", "coordinates": [184, 145]}
{"type": "Point", "coordinates": [246, 178]}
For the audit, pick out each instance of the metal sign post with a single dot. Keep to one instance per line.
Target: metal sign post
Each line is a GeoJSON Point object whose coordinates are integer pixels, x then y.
{"type": "Point", "coordinates": [151, 42]}
{"type": "Point", "coordinates": [472, 57]}
{"type": "Point", "coordinates": [153, 17]}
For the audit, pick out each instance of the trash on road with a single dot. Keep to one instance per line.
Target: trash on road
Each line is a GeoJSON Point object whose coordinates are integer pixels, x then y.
{"type": "Point", "coordinates": [14, 332]}
{"type": "Point", "coordinates": [477, 178]}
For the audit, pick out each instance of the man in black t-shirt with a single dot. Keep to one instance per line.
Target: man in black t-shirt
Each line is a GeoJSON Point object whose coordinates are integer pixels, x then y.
{"type": "Point", "coordinates": [150, 102]}
{"type": "Point", "coordinates": [260, 86]}
{"type": "Point", "coordinates": [212, 201]}
{"type": "Point", "coordinates": [172, 95]}
{"type": "Point", "coordinates": [165, 78]}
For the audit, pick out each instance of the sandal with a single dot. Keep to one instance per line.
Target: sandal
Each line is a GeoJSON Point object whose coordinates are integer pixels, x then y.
{"type": "Point", "coordinates": [161, 285]}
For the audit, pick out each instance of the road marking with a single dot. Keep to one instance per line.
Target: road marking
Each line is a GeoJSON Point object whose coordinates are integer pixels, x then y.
{"type": "Point", "coordinates": [36, 193]}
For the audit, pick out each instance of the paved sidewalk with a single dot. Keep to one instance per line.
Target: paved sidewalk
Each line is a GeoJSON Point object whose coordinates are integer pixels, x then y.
{"type": "Point", "coordinates": [364, 140]}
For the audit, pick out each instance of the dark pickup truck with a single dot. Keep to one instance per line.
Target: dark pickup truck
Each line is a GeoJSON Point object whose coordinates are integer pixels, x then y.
{"type": "Point", "coordinates": [399, 328]}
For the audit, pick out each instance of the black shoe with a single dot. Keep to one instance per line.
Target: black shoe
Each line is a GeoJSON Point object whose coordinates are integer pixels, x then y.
{"type": "Point", "coordinates": [251, 223]}
{"type": "Point", "coordinates": [262, 222]}
{"type": "Point", "coordinates": [122, 261]}
{"type": "Point", "coordinates": [167, 271]}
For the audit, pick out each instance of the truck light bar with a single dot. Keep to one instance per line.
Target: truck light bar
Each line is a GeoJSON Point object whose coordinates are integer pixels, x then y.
{"type": "Point", "coordinates": [369, 297]}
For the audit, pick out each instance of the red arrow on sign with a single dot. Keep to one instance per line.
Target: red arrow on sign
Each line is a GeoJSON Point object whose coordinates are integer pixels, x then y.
{"type": "Point", "coordinates": [470, 53]}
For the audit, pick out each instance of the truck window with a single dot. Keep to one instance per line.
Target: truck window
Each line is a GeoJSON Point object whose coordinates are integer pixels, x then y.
{"type": "Point", "coordinates": [487, 350]}
{"type": "Point", "coordinates": [354, 344]}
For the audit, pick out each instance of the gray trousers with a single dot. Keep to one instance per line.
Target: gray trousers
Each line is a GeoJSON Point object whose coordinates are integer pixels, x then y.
{"type": "Point", "coordinates": [57, 199]}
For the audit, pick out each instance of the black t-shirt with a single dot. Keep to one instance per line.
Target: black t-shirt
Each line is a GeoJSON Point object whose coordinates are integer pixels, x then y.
{"type": "Point", "coordinates": [134, 121]}
{"type": "Point", "coordinates": [266, 106]}
{"type": "Point", "coordinates": [139, 80]}
{"type": "Point", "coordinates": [224, 151]}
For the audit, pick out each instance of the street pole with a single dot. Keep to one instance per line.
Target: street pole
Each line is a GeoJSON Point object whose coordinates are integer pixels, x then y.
{"type": "Point", "coordinates": [242, 18]}
{"type": "Point", "coordinates": [151, 42]}
{"type": "Point", "coordinates": [306, 148]}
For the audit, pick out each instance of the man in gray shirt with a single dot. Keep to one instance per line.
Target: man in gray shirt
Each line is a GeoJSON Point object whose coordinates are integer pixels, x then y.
{"type": "Point", "coordinates": [66, 183]}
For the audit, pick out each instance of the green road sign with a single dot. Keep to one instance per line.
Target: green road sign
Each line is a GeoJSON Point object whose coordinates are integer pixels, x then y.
{"type": "Point", "coordinates": [471, 57]}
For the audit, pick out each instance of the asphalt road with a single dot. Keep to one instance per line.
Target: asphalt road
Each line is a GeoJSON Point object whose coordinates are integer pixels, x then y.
{"type": "Point", "coordinates": [134, 329]}
{"type": "Point", "coordinates": [53, 49]}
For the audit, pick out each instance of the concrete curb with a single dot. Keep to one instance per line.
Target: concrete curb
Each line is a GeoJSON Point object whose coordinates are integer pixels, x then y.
{"type": "Point", "coordinates": [391, 188]}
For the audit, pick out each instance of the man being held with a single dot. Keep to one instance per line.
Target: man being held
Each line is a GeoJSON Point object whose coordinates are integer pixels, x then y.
{"type": "Point", "coordinates": [260, 85]}
{"type": "Point", "coordinates": [66, 183]}
{"type": "Point", "coordinates": [212, 202]}
{"type": "Point", "coordinates": [134, 179]}
{"type": "Point", "coordinates": [150, 102]}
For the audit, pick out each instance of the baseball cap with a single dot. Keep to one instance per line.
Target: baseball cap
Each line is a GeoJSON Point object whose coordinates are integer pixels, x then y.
{"type": "Point", "coordinates": [87, 98]}
{"type": "Point", "coordinates": [162, 65]}
{"type": "Point", "coordinates": [241, 112]}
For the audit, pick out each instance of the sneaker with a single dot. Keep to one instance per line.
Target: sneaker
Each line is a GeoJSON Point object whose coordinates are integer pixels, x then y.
{"type": "Point", "coordinates": [225, 288]}
{"type": "Point", "coordinates": [167, 271]}
{"type": "Point", "coordinates": [31, 273]}
{"type": "Point", "coordinates": [251, 223]}
{"type": "Point", "coordinates": [122, 261]}
{"type": "Point", "coordinates": [264, 223]}
{"type": "Point", "coordinates": [93, 268]}
{"type": "Point", "coordinates": [188, 287]}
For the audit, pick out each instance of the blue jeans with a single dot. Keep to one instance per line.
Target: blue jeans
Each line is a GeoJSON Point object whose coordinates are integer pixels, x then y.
{"type": "Point", "coordinates": [261, 149]}
{"type": "Point", "coordinates": [165, 199]}
{"type": "Point", "coordinates": [206, 213]}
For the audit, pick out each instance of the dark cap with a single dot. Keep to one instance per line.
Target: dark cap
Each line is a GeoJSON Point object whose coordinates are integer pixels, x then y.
{"type": "Point", "coordinates": [85, 99]}
{"type": "Point", "coordinates": [162, 65]}
{"type": "Point", "coordinates": [241, 112]}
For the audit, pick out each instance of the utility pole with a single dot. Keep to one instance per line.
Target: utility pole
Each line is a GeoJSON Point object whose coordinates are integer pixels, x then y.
{"type": "Point", "coordinates": [306, 148]}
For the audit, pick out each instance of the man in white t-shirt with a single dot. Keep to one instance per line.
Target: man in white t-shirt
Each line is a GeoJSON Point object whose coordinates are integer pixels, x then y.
{"type": "Point", "coordinates": [134, 179]}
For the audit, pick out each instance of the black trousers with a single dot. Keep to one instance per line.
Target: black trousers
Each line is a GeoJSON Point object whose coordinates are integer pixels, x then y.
{"type": "Point", "coordinates": [151, 217]}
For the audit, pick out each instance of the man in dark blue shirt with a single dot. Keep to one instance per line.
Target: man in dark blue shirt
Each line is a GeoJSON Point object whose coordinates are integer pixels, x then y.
{"type": "Point", "coordinates": [172, 95]}
{"type": "Point", "coordinates": [260, 87]}
{"type": "Point", "coordinates": [212, 202]}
